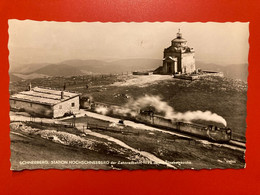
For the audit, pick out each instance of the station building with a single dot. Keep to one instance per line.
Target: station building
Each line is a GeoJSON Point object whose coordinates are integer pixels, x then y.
{"type": "Point", "coordinates": [45, 102]}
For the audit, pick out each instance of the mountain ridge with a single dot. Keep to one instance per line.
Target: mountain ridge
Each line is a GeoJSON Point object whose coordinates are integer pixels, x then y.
{"type": "Point", "coordinates": [76, 67]}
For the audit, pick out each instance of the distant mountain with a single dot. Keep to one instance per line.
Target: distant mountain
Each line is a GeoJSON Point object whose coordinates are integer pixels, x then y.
{"type": "Point", "coordinates": [14, 78]}
{"type": "Point", "coordinates": [58, 70]}
{"type": "Point", "coordinates": [239, 71]}
{"type": "Point", "coordinates": [27, 68]}
{"type": "Point", "coordinates": [116, 66]}
{"type": "Point", "coordinates": [83, 64]}
{"type": "Point", "coordinates": [79, 67]}
{"type": "Point", "coordinates": [89, 66]}
{"type": "Point", "coordinates": [29, 76]}
{"type": "Point", "coordinates": [234, 71]}
{"type": "Point", "coordinates": [136, 64]}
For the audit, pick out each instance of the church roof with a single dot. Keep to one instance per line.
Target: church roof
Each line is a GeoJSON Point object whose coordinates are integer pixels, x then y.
{"type": "Point", "coordinates": [179, 38]}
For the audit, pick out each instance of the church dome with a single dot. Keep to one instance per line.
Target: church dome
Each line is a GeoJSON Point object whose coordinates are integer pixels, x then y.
{"type": "Point", "coordinates": [179, 38]}
{"type": "Point", "coordinates": [179, 42]}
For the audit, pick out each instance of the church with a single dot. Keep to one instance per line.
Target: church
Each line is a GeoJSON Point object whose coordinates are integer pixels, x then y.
{"type": "Point", "coordinates": [178, 58]}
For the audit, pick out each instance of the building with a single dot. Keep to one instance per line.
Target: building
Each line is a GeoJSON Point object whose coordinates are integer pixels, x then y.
{"type": "Point", "coordinates": [178, 58]}
{"type": "Point", "coordinates": [45, 102]}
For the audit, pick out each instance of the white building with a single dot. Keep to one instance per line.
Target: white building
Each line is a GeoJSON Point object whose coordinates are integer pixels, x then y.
{"type": "Point", "coordinates": [45, 102]}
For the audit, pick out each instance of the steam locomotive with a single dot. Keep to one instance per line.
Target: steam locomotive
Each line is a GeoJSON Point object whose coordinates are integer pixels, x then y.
{"type": "Point", "coordinates": [210, 132]}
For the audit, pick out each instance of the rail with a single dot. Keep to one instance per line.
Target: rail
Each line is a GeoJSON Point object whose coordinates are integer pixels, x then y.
{"type": "Point", "coordinates": [234, 144]}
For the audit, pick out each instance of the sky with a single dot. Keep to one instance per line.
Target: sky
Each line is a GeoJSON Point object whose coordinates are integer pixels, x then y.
{"type": "Point", "coordinates": [54, 42]}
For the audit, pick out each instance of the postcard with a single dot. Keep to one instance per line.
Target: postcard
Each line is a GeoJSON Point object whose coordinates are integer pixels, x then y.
{"type": "Point", "coordinates": [128, 96]}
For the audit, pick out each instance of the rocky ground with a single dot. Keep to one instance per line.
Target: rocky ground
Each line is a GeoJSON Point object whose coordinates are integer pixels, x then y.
{"type": "Point", "coordinates": [45, 146]}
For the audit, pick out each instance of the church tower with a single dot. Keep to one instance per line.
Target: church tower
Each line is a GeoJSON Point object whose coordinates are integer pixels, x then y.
{"type": "Point", "coordinates": [178, 58]}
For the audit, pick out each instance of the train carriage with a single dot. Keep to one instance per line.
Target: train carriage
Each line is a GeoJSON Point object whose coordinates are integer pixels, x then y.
{"type": "Point", "coordinates": [210, 132]}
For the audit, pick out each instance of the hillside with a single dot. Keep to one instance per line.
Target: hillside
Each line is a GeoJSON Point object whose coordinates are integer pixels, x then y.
{"type": "Point", "coordinates": [27, 68]}
{"type": "Point", "coordinates": [223, 96]}
{"type": "Point", "coordinates": [14, 78]}
{"type": "Point", "coordinates": [58, 70]}
{"type": "Point", "coordinates": [86, 64]}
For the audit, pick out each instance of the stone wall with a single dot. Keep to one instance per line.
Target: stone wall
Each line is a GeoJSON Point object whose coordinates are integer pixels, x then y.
{"type": "Point", "coordinates": [188, 63]}
{"type": "Point", "coordinates": [68, 106]}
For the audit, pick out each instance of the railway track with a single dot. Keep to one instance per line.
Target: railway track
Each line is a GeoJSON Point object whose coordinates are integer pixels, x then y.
{"type": "Point", "coordinates": [237, 143]}
{"type": "Point", "coordinates": [233, 144]}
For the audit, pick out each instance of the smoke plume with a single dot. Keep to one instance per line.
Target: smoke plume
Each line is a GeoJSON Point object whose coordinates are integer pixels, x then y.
{"type": "Point", "coordinates": [133, 107]}
{"type": "Point", "coordinates": [102, 110]}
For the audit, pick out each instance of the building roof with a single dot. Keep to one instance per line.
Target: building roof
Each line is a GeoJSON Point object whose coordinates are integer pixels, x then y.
{"type": "Point", "coordinates": [179, 40]}
{"type": "Point", "coordinates": [43, 96]}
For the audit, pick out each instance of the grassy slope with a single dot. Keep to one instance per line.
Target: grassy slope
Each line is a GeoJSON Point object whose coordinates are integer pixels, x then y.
{"type": "Point", "coordinates": [223, 96]}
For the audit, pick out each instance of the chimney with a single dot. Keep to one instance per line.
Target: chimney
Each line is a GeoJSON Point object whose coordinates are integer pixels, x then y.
{"type": "Point", "coordinates": [30, 87]}
{"type": "Point", "coordinates": [62, 95]}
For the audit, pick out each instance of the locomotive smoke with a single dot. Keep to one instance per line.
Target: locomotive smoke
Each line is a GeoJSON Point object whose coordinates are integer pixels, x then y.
{"type": "Point", "coordinates": [134, 106]}
{"type": "Point", "coordinates": [102, 110]}
{"type": "Point", "coordinates": [199, 115]}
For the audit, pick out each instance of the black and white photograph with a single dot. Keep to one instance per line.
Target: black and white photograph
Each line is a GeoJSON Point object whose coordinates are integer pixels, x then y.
{"type": "Point", "coordinates": [128, 96]}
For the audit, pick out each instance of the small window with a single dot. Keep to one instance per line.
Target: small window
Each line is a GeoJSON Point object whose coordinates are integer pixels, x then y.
{"type": "Point", "coordinates": [60, 106]}
{"type": "Point", "coordinates": [31, 104]}
{"type": "Point", "coordinates": [72, 104]}
{"type": "Point", "coordinates": [14, 101]}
